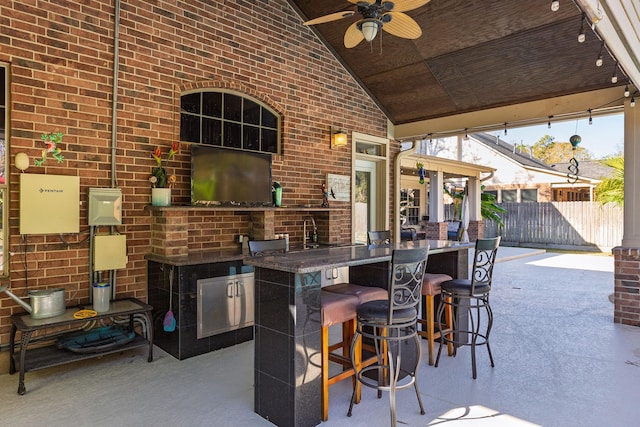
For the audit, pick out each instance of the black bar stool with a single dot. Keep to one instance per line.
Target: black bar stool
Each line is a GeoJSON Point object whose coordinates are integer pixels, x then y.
{"type": "Point", "coordinates": [391, 325]}
{"type": "Point", "coordinates": [471, 296]}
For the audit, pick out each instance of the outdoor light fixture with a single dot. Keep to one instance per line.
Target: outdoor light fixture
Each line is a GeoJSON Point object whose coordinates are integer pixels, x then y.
{"type": "Point", "coordinates": [549, 122]}
{"type": "Point", "coordinates": [581, 36]}
{"type": "Point", "coordinates": [369, 28]}
{"type": "Point", "coordinates": [505, 128]}
{"type": "Point", "coordinates": [338, 138]}
{"type": "Point", "coordinates": [626, 91]}
{"type": "Point", "coordinates": [21, 161]}
{"type": "Point", "coordinates": [633, 102]}
{"type": "Point", "coordinates": [590, 118]}
{"type": "Point", "coordinates": [614, 76]}
{"type": "Point", "coordinates": [599, 61]}
{"type": "Point", "coordinates": [555, 5]}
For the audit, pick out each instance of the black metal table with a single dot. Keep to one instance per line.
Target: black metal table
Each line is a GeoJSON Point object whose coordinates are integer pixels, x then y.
{"type": "Point", "coordinates": [50, 355]}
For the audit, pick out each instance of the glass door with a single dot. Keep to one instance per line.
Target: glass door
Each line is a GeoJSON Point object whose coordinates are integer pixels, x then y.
{"type": "Point", "coordinates": [365, 199]}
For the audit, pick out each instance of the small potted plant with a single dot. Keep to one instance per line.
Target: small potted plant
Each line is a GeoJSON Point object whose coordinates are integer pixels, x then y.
{"type": "Point", "coordinates": [161, 182]}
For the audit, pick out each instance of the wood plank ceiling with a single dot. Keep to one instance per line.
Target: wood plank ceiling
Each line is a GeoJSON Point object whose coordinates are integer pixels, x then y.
{"type": "Point", "coordinates": [472, 56]}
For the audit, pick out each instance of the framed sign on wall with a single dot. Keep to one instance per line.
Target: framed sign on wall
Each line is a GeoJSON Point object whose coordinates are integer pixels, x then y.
{"type": "Point", "coordinates": [339, 187]}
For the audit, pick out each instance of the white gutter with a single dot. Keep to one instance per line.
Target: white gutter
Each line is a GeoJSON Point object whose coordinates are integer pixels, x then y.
{"type": "Point", "coordinates": [397, 167]}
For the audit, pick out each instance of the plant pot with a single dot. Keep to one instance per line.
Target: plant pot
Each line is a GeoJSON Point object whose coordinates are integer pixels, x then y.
{"type": "Point", "coordinates": [161, 197]}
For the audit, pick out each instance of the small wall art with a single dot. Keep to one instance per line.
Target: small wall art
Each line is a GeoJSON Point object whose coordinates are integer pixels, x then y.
{"type": "Point", "coordinates": [339, 187]}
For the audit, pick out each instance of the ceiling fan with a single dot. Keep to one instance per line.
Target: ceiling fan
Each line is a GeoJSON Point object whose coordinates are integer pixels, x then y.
{"type": "Point", "coordinates": [386, 14]}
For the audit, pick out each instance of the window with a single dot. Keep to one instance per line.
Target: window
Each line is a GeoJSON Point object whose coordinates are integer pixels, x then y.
{"type": "Point", "coordinates": [509, 196]}
{"type": "Point", "coordinates": [4, 120]}
{"type": "Point", "coordinates": [529, 195]}
{"type": "Point", "coordinates": [409, 207]}
{"type": "Point", "coordinates": [227, 119]}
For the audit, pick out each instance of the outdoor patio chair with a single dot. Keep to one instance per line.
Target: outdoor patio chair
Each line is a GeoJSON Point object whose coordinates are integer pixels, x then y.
{"type": "Point", "coordinates": [472, 296]}
{"type": "Point", "coordinates": [382, 237]}
{"type": "Point", "coordinates": [391, 325]}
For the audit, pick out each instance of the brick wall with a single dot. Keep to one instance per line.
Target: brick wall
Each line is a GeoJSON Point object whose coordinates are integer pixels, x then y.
{"type": "Point", "coordinates": [61, 65]}
{"type": "Point", "coordinates": [626, 286]}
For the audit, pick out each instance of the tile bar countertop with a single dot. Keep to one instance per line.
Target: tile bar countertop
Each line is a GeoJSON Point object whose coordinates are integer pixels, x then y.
{"type": "Point", "coordinates": [310, 260]}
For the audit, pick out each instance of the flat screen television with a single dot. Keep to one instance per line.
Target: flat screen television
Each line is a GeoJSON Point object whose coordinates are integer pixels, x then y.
{"type": "Point", "coordinates": [227, 177]}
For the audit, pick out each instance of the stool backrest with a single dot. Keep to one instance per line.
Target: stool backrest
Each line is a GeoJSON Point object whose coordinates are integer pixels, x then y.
{"type": "Point", "coordinates": [264, 247]}
{"type": "Point", "coordinates": [405, 281]}
{"type": "Point", "coordinates": [408, 234]}
{"type": "Point", "coordinates": [382, 237]}
{"type": "Point", "coordinates": [483, 261]}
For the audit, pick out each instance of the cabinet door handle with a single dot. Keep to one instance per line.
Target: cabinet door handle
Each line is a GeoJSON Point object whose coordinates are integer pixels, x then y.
{"type": "Point", "coordinates": [238, 284]}
{"type": "Point", "coordinates": [230, 290]}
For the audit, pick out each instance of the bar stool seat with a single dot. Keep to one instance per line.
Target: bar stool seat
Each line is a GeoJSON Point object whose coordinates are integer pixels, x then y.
{"type": "Point", "coordinates": [336, 309]}
{"type": "Point", "coordinates": [331, 296]}
{"type": "Point", "coordinates": [430, 288]}
{"type": "Point", "coordinates": [363, 293]}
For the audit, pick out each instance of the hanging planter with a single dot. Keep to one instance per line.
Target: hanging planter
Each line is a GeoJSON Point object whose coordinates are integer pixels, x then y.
{"type": "Point", "coordinates": [421, 172]}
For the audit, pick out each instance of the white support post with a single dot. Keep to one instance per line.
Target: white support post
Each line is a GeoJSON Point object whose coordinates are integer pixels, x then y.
{"type": "Point", "coordinates": [436, 196]}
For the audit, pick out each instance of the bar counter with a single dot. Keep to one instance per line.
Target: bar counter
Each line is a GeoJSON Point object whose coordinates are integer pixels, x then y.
{"type": "Point", "coordinates": [287, 362]}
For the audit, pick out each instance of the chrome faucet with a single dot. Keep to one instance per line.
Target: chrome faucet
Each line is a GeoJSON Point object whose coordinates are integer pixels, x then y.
{"type": "Point", "coordinates": [304, 231]}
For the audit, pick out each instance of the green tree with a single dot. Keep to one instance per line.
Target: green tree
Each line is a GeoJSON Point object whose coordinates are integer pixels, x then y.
{"type": "Point", "coordinates": [551, 152]}
{"type": "Point", "coordinates": [611, 190]}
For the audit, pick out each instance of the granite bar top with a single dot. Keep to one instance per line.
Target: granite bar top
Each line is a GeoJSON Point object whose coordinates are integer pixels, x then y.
{"type": "Point", "coordinates": [196, 258]}
{"type": "Point", "coordinates": [211, 256]}
{"type": "Point", "coordinates": [307, 261]}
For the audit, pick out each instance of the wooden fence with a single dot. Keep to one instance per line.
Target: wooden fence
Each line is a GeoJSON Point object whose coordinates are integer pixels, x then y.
{"type": "Point", "coordinates": [560, 225]}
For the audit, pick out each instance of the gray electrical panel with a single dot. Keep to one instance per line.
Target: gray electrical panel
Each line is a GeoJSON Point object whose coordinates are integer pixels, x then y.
{"type": "Point", "coordinates": [105, 206]}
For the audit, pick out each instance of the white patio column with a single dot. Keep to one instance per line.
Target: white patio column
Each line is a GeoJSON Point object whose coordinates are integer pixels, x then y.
{"type": "Point", "coordinates": [473, 187]}
{"type": "Point", "coordinates": [436, 196]}
{"type": "Point", "coordinates": [631, 232]}
{"type": "Point", "coordinates": [627, 257]}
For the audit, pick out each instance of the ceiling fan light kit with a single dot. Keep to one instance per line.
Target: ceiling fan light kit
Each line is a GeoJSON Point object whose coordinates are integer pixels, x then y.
{"type": "Point", "coordinates": [369, 28]}
{"type": "Point", "coordinates": [377, 14]}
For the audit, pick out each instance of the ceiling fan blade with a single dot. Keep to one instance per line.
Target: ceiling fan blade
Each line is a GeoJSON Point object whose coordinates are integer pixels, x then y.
{"type": "Point", "coordinates": [353, 36]}
{"type": "Point", "coordinates": [330, 17]}
{"type": "Point", "coordinates": [362, 1]}
{"type": "Point", "coordinates": [406, 5]}
{"type": "Point", "coordinates": [402, 25]}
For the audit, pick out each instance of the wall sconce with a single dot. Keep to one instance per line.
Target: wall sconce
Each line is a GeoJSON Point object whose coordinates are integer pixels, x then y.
{"type": "Point", "coordinates": [338, 138]}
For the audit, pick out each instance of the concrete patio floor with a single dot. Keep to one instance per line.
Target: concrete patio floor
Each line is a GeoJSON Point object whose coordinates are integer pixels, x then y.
{"type": "Point", "coordinates": [560, 361]}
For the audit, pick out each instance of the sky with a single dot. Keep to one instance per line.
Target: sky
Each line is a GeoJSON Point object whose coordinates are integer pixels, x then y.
{"type": "Point", "coordinates": [602, 138]}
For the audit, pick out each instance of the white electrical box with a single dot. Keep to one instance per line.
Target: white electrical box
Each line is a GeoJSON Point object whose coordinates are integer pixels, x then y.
{"type": "Point", "coordinates": [105, 206]}
{"type": "Point", "coordinates": [49, 204]}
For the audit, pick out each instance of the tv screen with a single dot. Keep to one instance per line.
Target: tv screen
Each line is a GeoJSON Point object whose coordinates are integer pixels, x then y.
{"type": "Point", "coordinates": [222, 176]}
